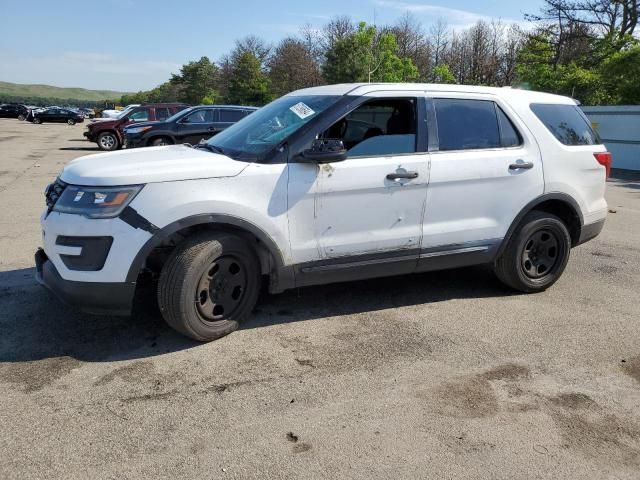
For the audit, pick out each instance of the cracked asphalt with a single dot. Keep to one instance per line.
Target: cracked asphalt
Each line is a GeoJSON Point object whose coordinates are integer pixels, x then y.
{"type": "Point", "coordinates": [438, 375]}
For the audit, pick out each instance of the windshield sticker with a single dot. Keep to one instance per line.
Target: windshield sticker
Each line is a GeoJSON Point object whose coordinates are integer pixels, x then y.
{"type": "Point", "coordinates": [302, 110]}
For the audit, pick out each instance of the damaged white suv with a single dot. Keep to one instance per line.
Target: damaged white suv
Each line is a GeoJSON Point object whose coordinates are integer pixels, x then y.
{"type": "Point", "coordinates": [329, 184]}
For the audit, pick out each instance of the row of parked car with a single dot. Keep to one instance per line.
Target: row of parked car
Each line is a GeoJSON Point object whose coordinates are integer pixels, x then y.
{"type": "Point", "coordinates": [151, 124]}
{"type": "Point", "coordinates": [39, 115]}
{"type": "Point", "coordinates": [156, 124]}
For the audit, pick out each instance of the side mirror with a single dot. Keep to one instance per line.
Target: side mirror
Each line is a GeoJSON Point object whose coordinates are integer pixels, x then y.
{"type": "Point", "coordinates": [325, 150]}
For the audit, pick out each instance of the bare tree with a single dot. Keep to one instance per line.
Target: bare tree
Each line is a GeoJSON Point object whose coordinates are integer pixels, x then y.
{"type": "Point", "coordinates": [413, 44]}
{"type": "Point", "coordinates": [440, 39]}
{"type": "Point", "coordinates": [513, 41]}
{"type": "Point", "coordinates": [338, 28]}
{"type": "Point", "coordinates": [613, 19]}
{"type": "Point", "coordinates": [292, 67]}
{"type": "Point", "coordinates": [254, 45]}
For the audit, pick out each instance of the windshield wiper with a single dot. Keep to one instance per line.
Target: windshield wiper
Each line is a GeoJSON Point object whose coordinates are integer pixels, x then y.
{"type": "Point", "coordinates": [211, 148]}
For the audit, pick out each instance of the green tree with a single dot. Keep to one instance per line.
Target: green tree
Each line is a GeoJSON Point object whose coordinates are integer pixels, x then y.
{"type": "Point", "coordinates": [198, 80]}
{"type": "Point", "coordinates": [367, 56]}
{"type": "Point", "coordinates": [442, 74]}
{"type": "Point", "coordinates": [622, 73]}
{"type": "Point", "coordinates": [248, 85]}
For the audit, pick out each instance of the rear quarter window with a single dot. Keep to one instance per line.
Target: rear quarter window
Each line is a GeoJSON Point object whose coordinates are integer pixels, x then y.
{"type": "Point", "coordinates": [567, 123]}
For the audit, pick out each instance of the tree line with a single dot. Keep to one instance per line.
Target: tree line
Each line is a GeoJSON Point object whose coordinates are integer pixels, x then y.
{"type": "Point", "coordinates": [586, 49]}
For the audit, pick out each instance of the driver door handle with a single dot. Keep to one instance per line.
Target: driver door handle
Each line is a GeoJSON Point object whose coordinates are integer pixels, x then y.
{"type": "Point", "coordinates": [395, 176]}
{"type": "Point", "coordinates": [522, 165]}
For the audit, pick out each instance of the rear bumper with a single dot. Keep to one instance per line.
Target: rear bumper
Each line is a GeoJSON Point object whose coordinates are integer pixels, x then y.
{"type": "Point", "coordinates": [590, 231]}
{"type": "Point", "coordinates": [91, 297]}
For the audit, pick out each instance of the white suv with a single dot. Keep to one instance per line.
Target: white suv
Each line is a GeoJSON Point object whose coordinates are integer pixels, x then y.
{"type": "Point", "coordinates": [329, 184]}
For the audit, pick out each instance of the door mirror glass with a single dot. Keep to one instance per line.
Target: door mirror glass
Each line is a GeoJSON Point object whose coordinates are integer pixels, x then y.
{"type": "Point", "coordinates": [325, 150]}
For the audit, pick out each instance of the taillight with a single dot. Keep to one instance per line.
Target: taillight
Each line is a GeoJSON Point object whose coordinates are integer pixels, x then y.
{"type": "Point", "coordinates": [604, 159]}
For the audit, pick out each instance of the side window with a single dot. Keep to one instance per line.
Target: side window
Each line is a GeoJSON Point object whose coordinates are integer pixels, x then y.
{"type": "Point", "coordinates": [230, 115]}
{"type": "Point", "coordinates": [567, 123]}
{"type": "Point", "coordinates": [378, 127]}
{"type": "Point", "coordinates": [139, 116]}
{"type": "Point", "coordinates": [199, 116]}
{"type": "Point", "coordinates": [509, 136]}
{"type": "Point", "coordinates": [466, 124]}
{"type": "Point", "coordinates": [162, 113]}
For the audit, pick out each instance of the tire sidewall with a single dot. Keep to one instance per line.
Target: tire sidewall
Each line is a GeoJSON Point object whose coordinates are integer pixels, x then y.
{"type": "Point", "coordinates": [219, 245]}
{"type": "Point", "coordinates": [558, 228]}
{"type": "Point", "coordinates": [160, 142]}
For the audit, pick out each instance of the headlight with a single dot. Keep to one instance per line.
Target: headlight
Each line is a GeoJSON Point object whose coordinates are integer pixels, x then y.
{"type": "Point", "coordinates": [137, 129]}
{"type": "Point", "coordinates": [96, 202]}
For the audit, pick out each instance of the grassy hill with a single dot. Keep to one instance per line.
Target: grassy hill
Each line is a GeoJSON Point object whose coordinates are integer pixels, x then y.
{"type": "Point", "coordinates": [17, 90]}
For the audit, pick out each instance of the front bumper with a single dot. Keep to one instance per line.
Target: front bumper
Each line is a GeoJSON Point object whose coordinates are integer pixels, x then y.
{"type": "Point", "coordinates": [91, 136]}
{"type": "Point", "coordinates": [134, 140]}
{"type": "Point", "coordinates": [90, 297]}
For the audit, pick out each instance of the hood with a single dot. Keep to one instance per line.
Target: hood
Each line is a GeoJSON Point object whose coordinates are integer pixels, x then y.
{"type": "Point", "coordinates": [149, 165]}
{"type": "Point", "coordinates": [104, 122]}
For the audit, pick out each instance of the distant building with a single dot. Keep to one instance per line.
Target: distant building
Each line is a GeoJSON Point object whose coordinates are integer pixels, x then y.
{"type": "Point", "coordinates": [619, 127]}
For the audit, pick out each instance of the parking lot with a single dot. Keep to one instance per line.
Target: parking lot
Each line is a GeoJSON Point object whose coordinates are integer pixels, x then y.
{"type": "Point", "coordinates": [438, 375]}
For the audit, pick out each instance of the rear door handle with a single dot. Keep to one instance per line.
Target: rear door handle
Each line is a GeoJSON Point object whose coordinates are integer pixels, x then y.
{"type": "Point", "coordinates": [395, 176]}
{"type": "Point", "coordinates": [521, 165]}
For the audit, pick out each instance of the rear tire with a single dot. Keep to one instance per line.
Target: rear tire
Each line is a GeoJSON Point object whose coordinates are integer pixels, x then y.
{"type": "Point", "coordinates": [37, 121]}
{"type": "Point", "coordinates": [536, 254]}
{"type": "Point", "coordinates": [21, 117]}
{"type": "Point", "coordinates": [108, 141]}
{"type": "Point", "coordinates": [209, 284]}
{"type": "Point", "coordinates": [71, 122]}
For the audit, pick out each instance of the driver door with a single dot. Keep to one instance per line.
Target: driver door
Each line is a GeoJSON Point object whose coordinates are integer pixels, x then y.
{"type": "Point", "coordinates": [362, 217]}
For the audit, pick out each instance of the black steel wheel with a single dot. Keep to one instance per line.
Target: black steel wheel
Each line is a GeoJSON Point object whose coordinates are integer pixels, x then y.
{"type": "Point", "coordinates": [540, 253]}
{"type": "Point", "coordinates": [209, 284]}
{"type": "Point", "coordinates": [536, 255]}
{"type": "Point", "coordinates": [221, 289]}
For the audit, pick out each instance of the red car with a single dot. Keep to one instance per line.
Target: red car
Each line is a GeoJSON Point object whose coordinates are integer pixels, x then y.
{"type": "Point", "coordinates": [108, 134]}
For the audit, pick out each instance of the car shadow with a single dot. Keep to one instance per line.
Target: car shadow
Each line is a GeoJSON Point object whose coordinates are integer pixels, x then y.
{"type": "Point", "coordinates": [92, 149]}
{"type": "Point", "coordinates": [34, 325]}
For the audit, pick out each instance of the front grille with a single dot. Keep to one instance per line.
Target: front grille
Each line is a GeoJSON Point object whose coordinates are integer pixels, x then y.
{"type": "Point", "coordinates": [53, 192]}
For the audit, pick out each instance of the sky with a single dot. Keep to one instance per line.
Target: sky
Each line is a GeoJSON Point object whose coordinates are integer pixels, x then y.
{"type": "Point", "coordinates": [131, 45]}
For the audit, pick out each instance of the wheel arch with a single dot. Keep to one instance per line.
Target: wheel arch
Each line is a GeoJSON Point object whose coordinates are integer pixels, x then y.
{"type": "Point", "coordinates": [153, 136]}
{"type": "Point", "coordinates": [271, 258]}
{"type": "Point", "coordinates": [559, 204]}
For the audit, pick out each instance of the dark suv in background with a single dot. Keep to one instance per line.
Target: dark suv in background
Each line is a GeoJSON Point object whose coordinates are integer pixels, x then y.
{"type": "Point", "coordinates": [108, 134]}
{"type": "Point", "coordinates": [188, 126]}
{"type": "Point", "coordinates": [12, 110]}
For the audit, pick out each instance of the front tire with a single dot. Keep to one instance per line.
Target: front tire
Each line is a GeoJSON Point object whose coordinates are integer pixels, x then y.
{"type": "Point", "coordinates": [160, 142]}
{"type": "Point", "coordinates": [209, 284]}
{"type": "Point", "coordinates": [21, 117]}
{"type": "Point", "coordinates": [71, 122]}
{"type": "Point", "coordinates": [108, 141]}
{"type": "Point", "coordinates": [536, 254]}
{"type": "Point", "coordinates": [37, 121]}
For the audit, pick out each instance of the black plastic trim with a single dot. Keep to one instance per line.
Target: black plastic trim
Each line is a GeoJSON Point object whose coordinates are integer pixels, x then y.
{"type": "Point", "coordinates": [531, 206]}
{"type": "Point", "coordinates": [590, 231]}
{"type": "Point", "coordinates": [132, 217]}
{"type": "Point", "coordinates": [397, 262]}
{"type": "Point", "coordinates": [93, 254]}
{"type": "Point", "coordinates": [90, 297]}
{"type": "Point", "coordinates": [283, 275]}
